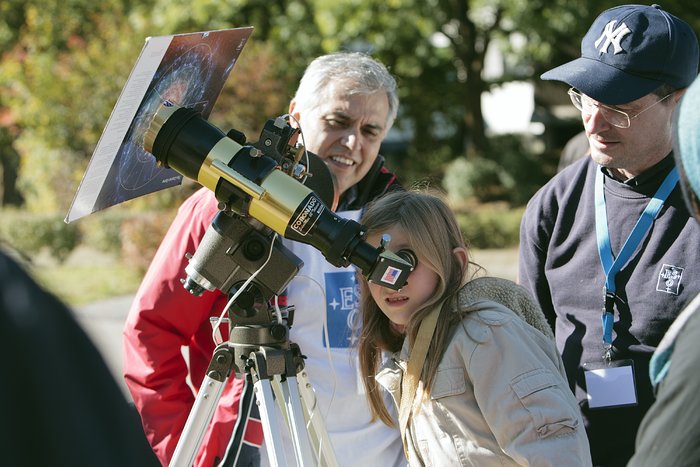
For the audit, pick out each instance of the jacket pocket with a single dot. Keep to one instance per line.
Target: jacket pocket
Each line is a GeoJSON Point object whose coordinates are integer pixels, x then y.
{"type": "Point", "coordinates": [551, 409]}
{"type": "Point", "coordinates": [448, 382]}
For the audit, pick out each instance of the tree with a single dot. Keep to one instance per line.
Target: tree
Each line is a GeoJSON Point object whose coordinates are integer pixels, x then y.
{"type": "Point", "coordinates": [65, 62]}
{"type": "Point", "coordinates": [59, 83]}
{"type": "Point", "coordinates": [9, 161]}
{"type": "Point", "coordinates": [437, 50]}
{"type": "Point", "coordinates": [11, 18]}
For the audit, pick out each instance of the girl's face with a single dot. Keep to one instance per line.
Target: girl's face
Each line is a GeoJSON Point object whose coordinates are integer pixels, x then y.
{"type": "Point", "coordinates": [398, 306]}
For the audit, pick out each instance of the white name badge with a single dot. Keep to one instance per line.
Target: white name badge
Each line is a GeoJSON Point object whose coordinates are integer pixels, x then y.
{"type": "Point", "coordinates": [610, 384]}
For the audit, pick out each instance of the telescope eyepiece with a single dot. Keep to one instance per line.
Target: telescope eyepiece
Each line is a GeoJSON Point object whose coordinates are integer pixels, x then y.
{"type": "Point", "coordinates": [409, 256]}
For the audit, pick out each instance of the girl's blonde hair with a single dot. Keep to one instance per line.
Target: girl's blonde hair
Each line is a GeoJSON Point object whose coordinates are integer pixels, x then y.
{"type": "Point", "coordinates": [433, 233]}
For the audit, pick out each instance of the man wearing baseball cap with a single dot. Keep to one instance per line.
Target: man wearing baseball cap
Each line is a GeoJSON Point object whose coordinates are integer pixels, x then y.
{"type": "Point", "coordinates": [608, 247]}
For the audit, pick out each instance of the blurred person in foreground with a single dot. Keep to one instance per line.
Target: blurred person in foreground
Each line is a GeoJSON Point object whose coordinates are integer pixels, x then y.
{"type": "Point", "coordinates": [60, 403]}
{"type": "Point", "coordinates": [608, 247]}
{"type": "Point", "coordinates": [345, 105]}
{"type": "Point", "coordinates": [670, 430]}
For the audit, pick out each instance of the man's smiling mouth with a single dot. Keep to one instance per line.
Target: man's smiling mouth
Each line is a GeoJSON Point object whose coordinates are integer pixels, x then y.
{"type": "Point", "coordinates": [342, 160]}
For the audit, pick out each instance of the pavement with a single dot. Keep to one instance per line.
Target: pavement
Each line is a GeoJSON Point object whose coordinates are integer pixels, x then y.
{"type": "Point", "coordinates": [103, 321]}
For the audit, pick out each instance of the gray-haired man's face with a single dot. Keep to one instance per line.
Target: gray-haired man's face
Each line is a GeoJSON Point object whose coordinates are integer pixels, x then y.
{"type": "Point", "coordinates": [345, 131]}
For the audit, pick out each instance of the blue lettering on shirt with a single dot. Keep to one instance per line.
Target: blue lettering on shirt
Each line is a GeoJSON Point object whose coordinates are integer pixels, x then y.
{"type": "Point", "coordinates": [342, 308]}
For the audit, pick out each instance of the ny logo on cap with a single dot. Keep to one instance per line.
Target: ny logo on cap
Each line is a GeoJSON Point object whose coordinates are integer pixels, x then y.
{"type": "Point", "coordinates": [612, 36]}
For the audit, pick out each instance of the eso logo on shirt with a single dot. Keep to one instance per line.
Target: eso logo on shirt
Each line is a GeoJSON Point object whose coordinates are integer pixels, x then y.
{"type": "Point", "coordinates": [342, 308]}
{"type": "Point", "coordinates": [669, 279]}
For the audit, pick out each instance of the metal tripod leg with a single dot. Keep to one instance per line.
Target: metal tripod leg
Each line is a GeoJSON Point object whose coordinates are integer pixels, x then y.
{"type": "Point", "coordinates": [271, 429]}
{"type": "Point", "coordinates": [318, 433]}
{"type": "Point", "coordinates": [205, 403]}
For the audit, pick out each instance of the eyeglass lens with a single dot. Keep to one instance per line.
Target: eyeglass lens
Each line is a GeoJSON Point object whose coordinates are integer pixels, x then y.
{"type": "Point", "coordinates": [586, 105]}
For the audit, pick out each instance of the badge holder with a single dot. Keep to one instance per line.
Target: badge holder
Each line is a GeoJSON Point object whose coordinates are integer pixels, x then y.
{"type": "Point", "coordinates": [610, 383]}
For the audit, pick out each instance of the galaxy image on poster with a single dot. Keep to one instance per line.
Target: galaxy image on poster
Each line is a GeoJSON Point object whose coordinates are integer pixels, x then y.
{"type": "Point", "coordinates": [188, 69]}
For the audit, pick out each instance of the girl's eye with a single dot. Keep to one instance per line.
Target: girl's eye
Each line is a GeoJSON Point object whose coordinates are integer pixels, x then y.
{"type": "Point", "coordinates": [409, 256]}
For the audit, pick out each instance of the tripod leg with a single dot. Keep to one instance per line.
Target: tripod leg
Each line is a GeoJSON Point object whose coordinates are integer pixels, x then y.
{"type": "Point", "coordinates": [271, 428]}
{"type": "Point", "coordinates": [317, 433]}
{"type": "Point", "coordinates": [270, 366]}
{"type": "Point", "coordinates": [295, 418]}
{"type": "Point", "coordinates": [203, 409]}
{"type": "Point", "coordinates": [197, 422]}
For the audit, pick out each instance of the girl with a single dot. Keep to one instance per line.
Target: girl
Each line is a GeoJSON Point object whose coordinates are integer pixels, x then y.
{"type": "Point", "coordinates": [473, 382]}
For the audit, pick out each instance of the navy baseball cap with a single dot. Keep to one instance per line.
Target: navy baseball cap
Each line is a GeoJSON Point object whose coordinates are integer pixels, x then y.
{"type": "Point", "coordinates": [630, 51]}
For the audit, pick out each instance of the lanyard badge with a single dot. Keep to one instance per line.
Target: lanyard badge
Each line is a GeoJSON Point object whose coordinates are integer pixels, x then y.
{"type": "Point", "coordinates": [610, 383]}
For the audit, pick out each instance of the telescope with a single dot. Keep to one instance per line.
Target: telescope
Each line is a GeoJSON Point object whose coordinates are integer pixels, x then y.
{"type": "Point", "coordinates": [265, 184]}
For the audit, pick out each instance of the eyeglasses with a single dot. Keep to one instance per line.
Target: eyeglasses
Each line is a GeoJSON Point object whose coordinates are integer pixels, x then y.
{"type": "Point", "coordinates": [613, 116]}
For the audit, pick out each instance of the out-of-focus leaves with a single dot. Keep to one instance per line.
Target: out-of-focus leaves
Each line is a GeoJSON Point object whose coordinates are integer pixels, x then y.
{"type": "Point", "coordinates": [64, 62]}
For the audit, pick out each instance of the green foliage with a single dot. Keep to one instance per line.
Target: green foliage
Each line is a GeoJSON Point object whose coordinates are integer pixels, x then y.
{"type": "Point", "coordinates": [479, 178]}
{"type": "Point", "coordinates": [131, 236]}
{"type": "Point", "coordinates": [102, 231]}
{"type": "Point", "coordinates": [44, 173]}
{"type": "Point", "coordinates": [524, 165]}
{"type": "Point", "coordinates": [61, 86]}
{"type": "Point", "coordinates": [512, 171]}
{"type": "Point", "coordinates": [491, 227]}
{"type": "Point", "coordinates": [88, 281]}
{"type": "Point", "coordinates": [259, 88]}
{"type": "Point", "coordinates": [141, 235]}
{"type": "Point", "coordinates": [30, 234]}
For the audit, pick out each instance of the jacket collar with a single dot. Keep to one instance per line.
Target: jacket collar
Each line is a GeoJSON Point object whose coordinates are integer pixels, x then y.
{"type": "Point", "coordinates": [377, 182]}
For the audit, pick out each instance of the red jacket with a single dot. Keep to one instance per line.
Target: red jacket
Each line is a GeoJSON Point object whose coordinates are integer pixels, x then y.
{"type": "Point", "coordinates": [165, 317]}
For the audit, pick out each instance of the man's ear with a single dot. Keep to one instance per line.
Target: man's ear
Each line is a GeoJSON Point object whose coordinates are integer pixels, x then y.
{"type": "Point", "coordinates": [679, 94]}
{"type": "Point", "coordinates": [294, 112]}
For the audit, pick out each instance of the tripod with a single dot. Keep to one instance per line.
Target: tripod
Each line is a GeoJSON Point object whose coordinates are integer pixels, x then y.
{"type": "Point", "coordinates": [276, 368]}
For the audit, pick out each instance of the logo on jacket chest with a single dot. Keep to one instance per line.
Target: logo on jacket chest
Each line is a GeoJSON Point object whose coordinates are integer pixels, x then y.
{"type": "Point", "coordinates": [342, 308]}
{"type": "Point", "coordinates": [669, 279]}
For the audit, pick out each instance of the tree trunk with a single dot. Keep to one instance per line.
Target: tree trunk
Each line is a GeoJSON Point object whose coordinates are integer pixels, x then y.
{"type": "Point", "coordinates": [473, 118]}
{"type": "Point", "coordinates": [9, 161]}
{"type": "Point", "coordinates": [470, 50]}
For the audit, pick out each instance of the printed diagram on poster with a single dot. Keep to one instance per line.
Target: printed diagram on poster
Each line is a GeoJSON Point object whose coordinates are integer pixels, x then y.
{"type": "Point", "coordinates": [188, 69]}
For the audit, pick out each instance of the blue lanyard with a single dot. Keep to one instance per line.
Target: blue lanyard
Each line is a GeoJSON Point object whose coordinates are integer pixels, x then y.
{"type": "Point", "coordinates": [612, 266]}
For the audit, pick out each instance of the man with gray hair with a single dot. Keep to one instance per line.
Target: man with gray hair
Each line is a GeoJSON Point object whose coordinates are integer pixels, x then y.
{"type": "Point", "coordinates": [345, 105]}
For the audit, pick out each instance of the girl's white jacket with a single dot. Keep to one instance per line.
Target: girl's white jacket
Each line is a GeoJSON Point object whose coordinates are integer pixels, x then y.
{"type": "Point", "coordinates": [500, 396]}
